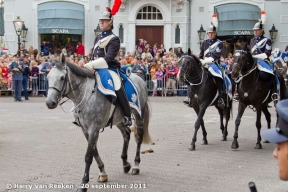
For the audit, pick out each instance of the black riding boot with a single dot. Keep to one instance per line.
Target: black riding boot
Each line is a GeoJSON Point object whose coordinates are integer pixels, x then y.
{"type": "Point", "coordinates": [221, 102]}
{"type": "Point", "coordinates": [124, 104]}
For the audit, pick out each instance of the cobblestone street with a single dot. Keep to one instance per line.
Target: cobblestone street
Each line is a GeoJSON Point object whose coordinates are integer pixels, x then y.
{"type": "Point", "coordinates": [41, 147]}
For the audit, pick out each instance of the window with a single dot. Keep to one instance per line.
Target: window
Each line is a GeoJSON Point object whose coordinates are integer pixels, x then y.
{"type": "Point", "coordinates": [149, 13]}
{"type": "Point", "coordinates": [177, 34]}
{"type": "Point", "coordinates": [1, 21]}
{"type": "Point", "coordinates": [121, 33]}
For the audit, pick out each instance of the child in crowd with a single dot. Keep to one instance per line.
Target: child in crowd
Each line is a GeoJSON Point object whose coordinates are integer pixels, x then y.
{"type": "Point", "coordinates": [159, 76]}
{"type": "Point", "coordinates": [5, 72]}
{"type": "Point", "coordinates": [34, 74]}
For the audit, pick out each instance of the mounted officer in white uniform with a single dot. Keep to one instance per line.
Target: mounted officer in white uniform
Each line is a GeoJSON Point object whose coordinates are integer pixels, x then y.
{"type": "Point", "coordinates": [106, 48]}
{"type": "Point", "coordinates": [210, 53]}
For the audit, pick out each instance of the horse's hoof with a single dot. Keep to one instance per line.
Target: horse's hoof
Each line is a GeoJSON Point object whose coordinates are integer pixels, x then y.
{"type": "Point", "coordinates": [235, 145]}
{"type": "Point", "coordinates": [102, 178]}
{"type": "Point", "coordinates": [224, 139]}
{"type": "Point", "coordinates": [205, 142]}
{"type": "Point", "coordinates": [135, 171]}
{"type": "Point", "coordinates": [258, 146]}
{"type": "Point", "coordinates": [191, 147]}
{"type": "Point", "coordinates": [266, 142]}
{"type": "Point", "coordinates": [82, 190]}
{"type": "Point", "coordinates": [127, 168]}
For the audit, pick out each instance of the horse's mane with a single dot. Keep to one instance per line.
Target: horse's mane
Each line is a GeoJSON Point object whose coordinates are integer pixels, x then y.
{"type": "Point", "coordinates": [249, 55]}
{"type": "Point", "coordinates": [82, 72]}
{"type": "Point", "coordinates": [79, 71]}
{"type": "Point", "coordinates": [197, 60]}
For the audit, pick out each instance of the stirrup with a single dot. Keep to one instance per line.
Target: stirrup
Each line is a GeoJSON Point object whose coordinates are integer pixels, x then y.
{"type": "Point", "coordinates": [221, 103]}
{"type": "Point", "coordinates": [275, 97]}
{"type": "Point", "coordinates": [127, 122]}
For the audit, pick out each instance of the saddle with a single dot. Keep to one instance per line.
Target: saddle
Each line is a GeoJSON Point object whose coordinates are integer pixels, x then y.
{"type": "Point", "coordinates": [105, 85]}
{"type": "Point", "coordinates": [215, 71]}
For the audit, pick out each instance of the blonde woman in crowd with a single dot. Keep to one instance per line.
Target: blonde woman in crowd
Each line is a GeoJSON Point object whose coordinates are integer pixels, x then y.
{"type": "Point", "coordinates": [153, 77]}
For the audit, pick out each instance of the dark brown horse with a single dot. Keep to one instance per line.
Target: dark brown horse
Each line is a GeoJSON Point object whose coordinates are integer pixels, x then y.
{"type": "Point", "coordinates": [252, 91]}
{"type": "Point", "coordinates": [203, 93]}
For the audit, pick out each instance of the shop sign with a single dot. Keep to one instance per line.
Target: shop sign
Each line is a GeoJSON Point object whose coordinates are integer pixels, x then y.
{"type": "Point", "coordinates": [60, 31]}
{"type": "Point", "coordinates": [242, 33]}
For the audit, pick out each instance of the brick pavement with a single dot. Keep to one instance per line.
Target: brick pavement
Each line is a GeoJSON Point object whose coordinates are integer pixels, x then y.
{"type": "Point", "coordinates": [40, 146]}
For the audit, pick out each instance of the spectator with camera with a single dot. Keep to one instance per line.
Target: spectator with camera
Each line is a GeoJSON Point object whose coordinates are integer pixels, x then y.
{"type": "Point", "coordinates": [17, 77]}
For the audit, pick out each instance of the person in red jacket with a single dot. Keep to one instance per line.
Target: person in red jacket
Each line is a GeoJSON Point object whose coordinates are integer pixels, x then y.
{"type": "Point", "coordinates": [171, 74]}
{"type": "Point", "coordinates": [80, 49]}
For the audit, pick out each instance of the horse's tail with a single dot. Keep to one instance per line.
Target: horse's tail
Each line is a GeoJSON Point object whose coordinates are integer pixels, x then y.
{"type": "Point", "coordinates": [146, 137]}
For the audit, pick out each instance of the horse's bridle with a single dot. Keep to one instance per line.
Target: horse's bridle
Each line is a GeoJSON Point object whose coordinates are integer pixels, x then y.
{"type": "Point", "coordinates": [237, 64]}
{"type": "Point", "coordinates": [62, 91]}
{"type": "Point", "coordinates": [198, 77]}
{"type": "Point", "coordinates": [242, 75]}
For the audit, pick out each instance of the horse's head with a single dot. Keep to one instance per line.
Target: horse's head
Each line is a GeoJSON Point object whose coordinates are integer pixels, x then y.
{"type": "Point", "coordinates": [57, 81]}
{"type": "Point", "coordinates": [242, 58]}
{"type": "Point", "coordinates": [188, 64]}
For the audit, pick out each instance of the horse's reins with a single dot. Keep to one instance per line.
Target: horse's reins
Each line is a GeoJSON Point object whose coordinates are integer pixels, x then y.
{"type": "Point", "coordinates": [196, 78]}
{"type": "Point", "coordinates": [245, 74]}
{"type": "Point", "coordinates": [64, 86]}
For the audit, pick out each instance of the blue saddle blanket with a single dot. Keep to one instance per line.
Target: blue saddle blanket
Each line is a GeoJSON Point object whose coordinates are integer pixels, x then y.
{"type": "Point", "coordinates": [264, 67]}
{"type": "Point", "coordinates": [215, 71]}
{"type": "Point", "coordinates": [105, 84]}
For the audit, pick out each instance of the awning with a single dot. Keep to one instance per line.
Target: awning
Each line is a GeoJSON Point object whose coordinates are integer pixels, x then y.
{"type": "Point", "coordinates": [1, 21]}
{"type": "Point", "coordinates": [237, 19]}
{"type": "Point", "coordinates": [61, 18]}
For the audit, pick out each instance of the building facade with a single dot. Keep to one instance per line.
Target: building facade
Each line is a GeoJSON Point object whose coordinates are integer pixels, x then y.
{"type": "Point", "coordinates": [172, 22]}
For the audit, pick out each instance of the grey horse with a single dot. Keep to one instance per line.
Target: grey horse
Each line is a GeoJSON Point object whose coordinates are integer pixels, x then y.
{"type": "Point", "coordinates": [93, 110]}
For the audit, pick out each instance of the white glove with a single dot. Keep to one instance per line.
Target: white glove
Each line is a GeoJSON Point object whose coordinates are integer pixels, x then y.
{"type": "Point", "coordinates": [99, 63]}
{"type": "Point", "coordinates": [202, 61]}
{"type": "Point", "coordinates": [208, 60]}
{"type": "Point", "coordinates": [261, 56]}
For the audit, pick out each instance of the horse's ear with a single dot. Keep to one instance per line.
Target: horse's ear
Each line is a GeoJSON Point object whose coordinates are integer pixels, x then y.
{"type": "Point", "coordinates": [51, 59]}
{"type": "Point", "coordinates": [62, 58]}
{"type": "Point", "coordinates": [189, 51]}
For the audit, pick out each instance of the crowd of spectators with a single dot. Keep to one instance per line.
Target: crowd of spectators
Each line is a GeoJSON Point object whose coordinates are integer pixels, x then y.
{"type": "Point", "coordinates": [153, 63]}
{"type": "Point", "coordinates": [34, 67]}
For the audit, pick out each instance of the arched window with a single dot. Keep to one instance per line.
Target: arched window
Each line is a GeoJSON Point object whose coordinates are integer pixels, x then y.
{"type": "Point", "coordinates": [177, 34]}
{"type": "Point", "coordinates": [121, 33]}
{"type": "Point", "coordinates": [149, 13]}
